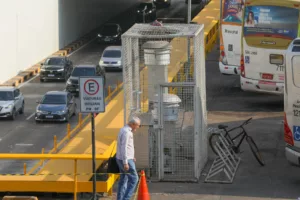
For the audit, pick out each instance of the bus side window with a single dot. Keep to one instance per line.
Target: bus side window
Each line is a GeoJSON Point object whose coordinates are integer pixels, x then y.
{"type": "Point", "coordinates": [296, 70]}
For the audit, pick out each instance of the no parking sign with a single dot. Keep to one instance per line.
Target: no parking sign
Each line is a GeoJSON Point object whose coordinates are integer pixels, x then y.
{"type": "Point", "coordinates": [91, 94]}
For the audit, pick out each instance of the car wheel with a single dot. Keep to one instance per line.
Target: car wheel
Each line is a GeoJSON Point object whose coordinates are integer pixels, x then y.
{"type": "Point", "coordinates": [42, 80]}
{"type": "Point", "coordinates": [13, 114]}
{"type": "Point", "coordinates": [37, 121]}
{"type": "Point", "coordinates": [22, 108]}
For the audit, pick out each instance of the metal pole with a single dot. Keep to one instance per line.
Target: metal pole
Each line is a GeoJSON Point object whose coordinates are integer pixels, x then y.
{"type": "Point", "coordinates": [94, 156]}
{"type": "Point", "coordinates": [189, 14]}
{"type": "Point", "coordinates": [189, 19]}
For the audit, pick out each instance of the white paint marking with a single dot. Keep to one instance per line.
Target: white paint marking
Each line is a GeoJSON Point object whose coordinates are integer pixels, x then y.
{"type": "Point", "coordinates": [29, 117]}
{"type": "Point", "coordinates": [25, 83]}
{"type": "Point", "coordinates": [81, 47]}
{"type": "Point", "coordinates": [23, 144]}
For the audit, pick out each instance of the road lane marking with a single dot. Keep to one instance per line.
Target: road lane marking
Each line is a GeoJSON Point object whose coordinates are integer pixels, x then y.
{"type": "Point", "coordinates": [25, 83]}
{"type": "Point", "coordinates": [30, 116]}
{"type": "Point", "coordinates": [23, 144]}
{"type": "Point", "coordinates": [81, 47]}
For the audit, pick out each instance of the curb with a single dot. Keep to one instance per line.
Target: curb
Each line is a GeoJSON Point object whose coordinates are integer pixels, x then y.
{"type": "Point", "coordinates": [28, 73]}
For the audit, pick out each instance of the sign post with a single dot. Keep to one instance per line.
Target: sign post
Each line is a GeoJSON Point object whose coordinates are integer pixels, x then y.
{"type": "Point", "coordinates": [92, 101]}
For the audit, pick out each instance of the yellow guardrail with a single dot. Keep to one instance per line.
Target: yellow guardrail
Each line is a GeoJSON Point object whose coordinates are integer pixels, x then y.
{"type": "Point", "coordinates": [72, 133]}
{"type": "Point", "coordinates": [64, 183]}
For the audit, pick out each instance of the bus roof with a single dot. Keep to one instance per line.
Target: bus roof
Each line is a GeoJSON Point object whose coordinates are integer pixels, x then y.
{"type": "Point", "coordinates": [288, 3]}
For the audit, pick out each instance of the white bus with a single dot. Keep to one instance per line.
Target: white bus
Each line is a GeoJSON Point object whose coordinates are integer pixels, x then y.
{"type": "Point", "coordinates": [269, 28]}
{"type": "Point", "coordinates": [231, 19]}
{"type": "Point", "coordinates": [292, 103]}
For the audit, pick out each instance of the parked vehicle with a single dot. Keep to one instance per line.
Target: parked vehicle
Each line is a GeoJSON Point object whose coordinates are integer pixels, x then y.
{"type": "Point", "coordinates": [111, 58]}
{"type": "Point", "coordinates": [230, 29]}
{"type": "Point", "coordinates": [11, 102]}
{"type": "Point", "coordinates": [146, 13]}
{"type": "Point", "coordinates": [55, 106]}
{"type": "Point", "coordinates": [82, 70]}
{"type": "Point", "coordinates": [56, 68]}
{"type": "Point", "coordinates": [265, 42]}
{"type": "Point", "coordinates": [110, 33]}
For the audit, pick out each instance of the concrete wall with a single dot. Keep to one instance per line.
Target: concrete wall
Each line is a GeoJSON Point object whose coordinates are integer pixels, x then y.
{"type": "Point", "coordinates": [33, 29]}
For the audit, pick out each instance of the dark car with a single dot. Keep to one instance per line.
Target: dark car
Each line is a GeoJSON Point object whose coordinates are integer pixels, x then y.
{"type": "Point", "coordinates": [166, 3]}
{"type": "Point", "coordinates": [110, 33]}
{"type": "Point", "coordinates": [202, 2]}
{"type": "Point", "coordinates": [83, 70]}
{"type": "Point", "coordinates": [146, 12]}
{"type": "Point", "coordinates": [56, 68]}
{"type": "Point", "coordinates": [55, 106]}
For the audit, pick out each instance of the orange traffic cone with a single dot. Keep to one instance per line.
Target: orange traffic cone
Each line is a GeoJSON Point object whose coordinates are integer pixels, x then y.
{"type": "Point", "coordinates": [143, 193]}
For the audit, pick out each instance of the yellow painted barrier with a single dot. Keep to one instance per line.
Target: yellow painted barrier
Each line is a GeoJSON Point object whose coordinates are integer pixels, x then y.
{"type": "Point", "coordinates": [19, 198]}
{"type": "Point", "coordinates": [42, 183]}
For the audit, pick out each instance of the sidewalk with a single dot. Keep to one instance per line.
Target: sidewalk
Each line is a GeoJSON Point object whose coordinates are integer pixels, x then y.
{"type": "Point", "coordinates": [277, 180]}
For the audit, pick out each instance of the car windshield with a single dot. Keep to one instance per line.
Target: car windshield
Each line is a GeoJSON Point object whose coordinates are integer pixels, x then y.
{"type": "Point", "coordinates": [143, 5]}
{"type": "Point", "coordinates": [54, 99]}
{"type": "Point", "coordinates": [112, 54]}
{"type": "Point", "coordinates": [109, 30]}
{"type": "Point", "coordinates": [6, 96]}
{"type": "Point", "coordinates": [54, 61]}
{"type": "Point", "coordinates": [80, 71]}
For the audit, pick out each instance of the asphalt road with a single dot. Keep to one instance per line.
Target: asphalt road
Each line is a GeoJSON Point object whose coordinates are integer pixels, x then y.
{"type": "Point", "coordinates": [25, 136]}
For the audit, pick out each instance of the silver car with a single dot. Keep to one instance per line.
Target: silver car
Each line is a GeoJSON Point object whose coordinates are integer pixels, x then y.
{"type": "Point", "coordinates": [11, 102]}
{"type": "Point", "coordinates": [111, 58]}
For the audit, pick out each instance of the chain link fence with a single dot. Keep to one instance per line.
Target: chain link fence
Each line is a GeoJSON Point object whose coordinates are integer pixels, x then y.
{"type": "Point", "coordinates": [164, 84]}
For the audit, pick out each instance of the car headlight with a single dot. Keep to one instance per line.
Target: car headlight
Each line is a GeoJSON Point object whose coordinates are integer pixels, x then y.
{"type": "Point", "coordinates": [60, 70]}
{"type": "Point", "coordinates": [115, 35]}
{"type": "Point", "coordinates": [119, 62]}
{"type": "Point", "coordinates": [60, 112]}
{"type": "Point", "coordinates": [137, 11]}
{"type": "Point", "coordinates": [41, 112]}
{"type": "Point", "coordinates": [99, 35]}
{"type": "Point", "coordinates": [101, 62]}
{"type": "Point", "coordinates": [9, 106]}
{"type": "Point", "coordinates": [43, 69]}
{"type": "Point", "coordinates": [150, 11]}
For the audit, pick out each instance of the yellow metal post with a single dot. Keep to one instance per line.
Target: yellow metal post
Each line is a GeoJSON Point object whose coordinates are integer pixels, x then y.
{"type": "Point", "coordinates": [69, 130]}
{"type": "Point", "coordinates": [43, 151]}
{"type": "Point", "coordinates": [80, 119]}
{"type": "Point", "coordinates": [75, 179]}
{"type": "Point", "coordinates": [55, 143]}
{"type": "Point", "coordinates": [24, 168]}
{"type": "Point", "coordinates": [118, 84]}
{"type": "Point", "coordinates": [109, 92]}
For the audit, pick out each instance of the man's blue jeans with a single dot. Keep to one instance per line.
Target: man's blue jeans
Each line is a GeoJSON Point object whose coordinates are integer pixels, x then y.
{"type": "Point", "coordinates": [128, 181]}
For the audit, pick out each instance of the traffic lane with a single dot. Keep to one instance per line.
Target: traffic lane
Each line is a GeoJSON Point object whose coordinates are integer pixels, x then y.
{"type": "Point", "coordinates": [91, 53]}
{"type": "Point", "coordinates": [178, 9]}
{"type": "Point", "coordinates": [25, 136]}
{"type": "Point", "coordinates": [225, 94]}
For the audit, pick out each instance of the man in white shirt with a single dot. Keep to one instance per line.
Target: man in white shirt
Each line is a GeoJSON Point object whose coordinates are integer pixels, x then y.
{"type": "Point", "coordinates": [126, 160]}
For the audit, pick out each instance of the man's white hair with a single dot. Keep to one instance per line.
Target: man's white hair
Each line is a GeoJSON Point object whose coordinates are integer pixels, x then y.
{"type": "Point", "coordinates": [134, 120]}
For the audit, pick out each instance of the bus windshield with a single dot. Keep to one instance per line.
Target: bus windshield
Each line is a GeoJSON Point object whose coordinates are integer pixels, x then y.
{"type": "Point", "coordinates": [271, 21]}
{"type": "Point", "coordinates": [233, 11]}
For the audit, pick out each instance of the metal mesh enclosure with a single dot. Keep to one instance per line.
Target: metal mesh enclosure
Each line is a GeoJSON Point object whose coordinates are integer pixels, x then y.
{"type": "Point", "coordinates": [164, 85]}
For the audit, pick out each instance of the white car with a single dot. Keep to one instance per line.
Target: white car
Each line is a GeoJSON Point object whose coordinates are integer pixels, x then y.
{"type": "Point", "coordinates": [111, 58]}
{"type": "Point", "coordinates": [11, 102]}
